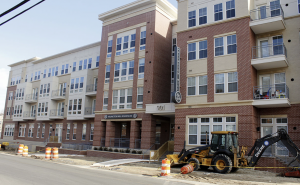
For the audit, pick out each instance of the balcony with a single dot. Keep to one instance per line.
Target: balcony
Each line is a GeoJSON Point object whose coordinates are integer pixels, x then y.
{"type": "Point", "coordinates": [89, 112]}
{"type": "Point", "coordinates": [56, 114]}
{"type": "Point", "coordinates": [267, 18]}
{"type": "Point", "coordinates": [18, 116]}
{"type": "Point", "coordinates": [271, 96]}
{"type": "Point", "coordinates": [269, 56]}
{"type": "Point", "coordinates": [29, 115]}
{"type": "Point", "coordinates": [58, 94]}
{"type": "Point", "coordinates": [31, 98]}
{"type": "Point", "coordinates": [91, 90]}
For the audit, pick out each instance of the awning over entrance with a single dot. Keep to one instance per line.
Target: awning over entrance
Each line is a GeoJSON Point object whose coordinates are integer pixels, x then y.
{"type": "Point", "coordinates": [161, 109]}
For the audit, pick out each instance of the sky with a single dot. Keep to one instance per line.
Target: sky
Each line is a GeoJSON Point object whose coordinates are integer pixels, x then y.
{"type": "Point", "coordinates": [52, 27]}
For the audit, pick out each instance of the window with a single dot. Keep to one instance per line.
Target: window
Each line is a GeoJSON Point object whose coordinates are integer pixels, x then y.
{"type": "Point", "coordinates": [39, 75]}
{"type": "Point", "coordinates": [218, 12]}
{"type": "Point", "coordinates": [143, 40]}
{"type": "Point", "coordinates": [74, 131]}
{"type": "Point", "coordinates": [107, 74]}
{"type": "Point", "coordinates": [203, 49]}
{"type": "Point", "coordinates": [49, 72]}
{"type": "Point", "coordinates": [230, 9]}
{"type": "Point", "coordinates": [75, 106]}
{"type": "Point", "coordinates": [125, 44]}
{"type": "Point", "coordinates": [122, 99]}
{"type": "Point", "coordinates": [275, 8]}
{"type": "Point", "coordinates": [27, 77]}
{"type": "Point", "coordinates": [299, 6]}
{"type": "Point", "coordinates": [92, 132]}
{"type": "Point", "coordinates": [45, 90]}
{"type": "Point", "coordinates": [8, 111]}
{"type": "Point", "coordinates": [278, 45]}
{"type": "Point", "coordinates": [141, 68]}
{"type": "Point", "coordinates": [172, 73]}
{"type": "Point", "coordinates": [43, 130]}
{"type": "Point", "coordinates": [43, 109]}
{"type": "Point", "coordinates": [219, 81]}
{"type": "Point", "coordinates": [53, 71]}
{"type": "Point", "coordinates": [109, 48]}
{"type": "Point", "coordinates": [62, 69]}
{"type": "Point", "coordinates": [191, 86]}
{"type": "Point", "coordinates": [231, 44]}
{"type": "Point", "coordinates": [80, 65]}
{"type": "Point", "coordinates": [219, 50]}
{"type": "Point", "coordinates": [200, 128]}
{"type": "Point", "coordinates": [56, 70]}
{"type": "Point", "coordinates": [126, 69]}
{"type": "Point", "coordinates": [117, 72]}
{"type": "Point", "coordinates": [77, 85]}
{"type": "Point", "coordinates": [60, 109]}
{"type": "Point", "coordinates": [173, 46]}
{"type": "Point", "coordinates": [35, 76]}
{"type": "Point", "coordinates": [119, 46]}
{"type": "Point", "coordinates": [10, 95]}
{"type": "Point", "coordinates": [50, 129]}
{"type": "Point", "coordinates": [83, 131]}
{"type": "Point", "coordinates": [30, 130]}
{"type": "Point", "coordinates": [202, 16]}
{"type": "Point", "coordinates": [280, 83]}
{"type": "Point", "coordinates": [22, 130]}
{"type": "Point", "coordinates": [85, 64]}
{"type": "Point", "coordinates": [232, 82]}
{"type": "Point", "coordinates": [68, 131]}
{"type": "Point", "coordinates": [192, 51]}
{"type": "Point", "coordinates": [90, 63]}
{"type": "Point", "coordinates": [81, 84]}
{"type": "Point", "coordinates": [67, 69]}
{"type": "Point", "coordinates": [30, 78]}
{"type": "Point", "coordinates": [140, 91]}
{"type": "Point", "coordinates": [9, 129]}
{"type": "Point", "coordinates": [74, 66]}
{"type": "Point", "coordinates": [132, 43]}
{"type": "Point", "coordinates": [38, 130]}
{"type": "Point", "coordinates": [192, 18]}
{"type": "Point", "coordinates": [105, 100]}
{"type": "Point", "coordinates": [202, 84]}
{"type": "Point", "coordinates": [97, 61]}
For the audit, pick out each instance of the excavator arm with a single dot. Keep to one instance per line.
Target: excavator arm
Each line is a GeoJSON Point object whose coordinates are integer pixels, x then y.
{"type": "Point", "coordinates": [262, 144]}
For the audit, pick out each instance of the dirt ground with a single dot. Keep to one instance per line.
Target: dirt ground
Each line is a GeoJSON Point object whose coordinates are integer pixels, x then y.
{"type": "Point", "coordinates": [241, 177]}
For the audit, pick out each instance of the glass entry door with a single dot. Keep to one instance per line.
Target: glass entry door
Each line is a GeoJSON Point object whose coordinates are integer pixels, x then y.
{"type": "Point", "coordinates": [265, 85]}
{"type": "Point", "coordinates": [264, 48]}
{"type": "Point", "coordinates": [267, 131]}
{"type": "Point", "coordinates": [58, 132]}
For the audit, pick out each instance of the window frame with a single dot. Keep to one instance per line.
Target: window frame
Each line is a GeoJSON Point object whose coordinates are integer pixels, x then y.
{"type": "Point", "coordinates": [116, 103]}
{"type": "Point", "coordinates": [140, 104]}
{"type": "Point", "coordinates": [107, 73]}
{"type": "Point", "coordinates": [141, 68]}
{"type": "Point", "coordinates": [143, 40]}
{"type": "Point", "coordinates": [231, 8]}
{"type": "Point", "coordinates": [219, 12]}
{"type": "Point", "coordinates": [203, 15]}
{"type": "Point", "coordinates": [192, 21]}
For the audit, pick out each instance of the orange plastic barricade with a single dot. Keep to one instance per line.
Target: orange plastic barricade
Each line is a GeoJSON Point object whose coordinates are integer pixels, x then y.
{"type": "Point", "coordinates": [55, 153]}
{"type": "Point", "coordinates": [187, 169]}
{"type": "Point", "coordinates": [48, 153]}
{"type": "Point", "coordinates": [165, 167]}
{"type": "Point", "coordinates": [20, 150]}
{"type": "Point", "coordinates": [25, 151]}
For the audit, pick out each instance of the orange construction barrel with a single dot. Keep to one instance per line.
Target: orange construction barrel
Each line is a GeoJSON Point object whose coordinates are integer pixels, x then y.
{"type": "Point", "coordinates": [187, 169]}
{"type": "Point", "coordinates": [165, 167]}
{"type": "Point", "coordinates": [25, 151]}
{"type": "Point", "coordinates": [55, 153]}
{"type": "Point", "coordinates": [48, 153]}
{"type": "Point", "coordinates": [20, 150]}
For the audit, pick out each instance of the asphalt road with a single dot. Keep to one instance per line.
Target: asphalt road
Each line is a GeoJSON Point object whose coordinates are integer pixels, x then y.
{"type": "Point", "coordinates": [15, 170]}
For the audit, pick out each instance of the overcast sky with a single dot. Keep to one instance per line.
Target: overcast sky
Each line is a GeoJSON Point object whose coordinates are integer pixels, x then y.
{"type": "Point", "coordinates": [49, 28]}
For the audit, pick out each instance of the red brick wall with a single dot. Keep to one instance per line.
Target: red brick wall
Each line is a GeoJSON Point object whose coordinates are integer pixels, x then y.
{"type": "Point", "coordinates": [271, 162]}
{"type": "Point", "coordinates": [5, 118]}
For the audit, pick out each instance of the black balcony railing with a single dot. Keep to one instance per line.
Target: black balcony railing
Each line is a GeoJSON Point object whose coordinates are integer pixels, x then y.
{"type": "Point", "coordinates": [58, 93]}
{"type": "Point", "coordinates": [268, 50]}
{"type": "Point", "coordinates": [91, 88]}
{"type": "Point", "coordinates": [264, 12]}
{"type": "Point", "coordinates": [119, 142]}
{"type": "Point", "coordinates": [31, 97]}
{"type": "Point", "coordinates": [89, 111]}
{"type": "Point", "coordinates": [29, 114]}
{"type": "Point", "coordinates": [271, 92]}
{"type": "Point", "coordinates": [57, 113]}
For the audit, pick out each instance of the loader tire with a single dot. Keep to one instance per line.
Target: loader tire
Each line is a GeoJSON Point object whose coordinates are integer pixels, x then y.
{"type": "Point", "coordinates": [194, 162]}
{"type": "Point", "coordinates": [204, 167]}
{"type": "Point", "coordinates": [222, 164]}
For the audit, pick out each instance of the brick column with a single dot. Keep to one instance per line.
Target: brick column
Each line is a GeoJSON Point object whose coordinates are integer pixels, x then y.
{"type": "Point", "coordinates": [134, 132]}
{"type": "Point", "coordinates": [110, 132]}
{"type": "Point", "coordinates": [112, 73]}
{"type": "Point", "coordinates": [136, 68]}
{"type": "Point", "coordinates": [148, 131]}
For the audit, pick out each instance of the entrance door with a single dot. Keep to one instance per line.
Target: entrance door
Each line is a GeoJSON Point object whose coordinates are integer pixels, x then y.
{"type": "Point", "coordinates": [264, 48]}
{"type": "Point", "coordinates": [265, 131]}
{"type": "Point", "coordinates": [265, 82]}
{"type": "Point", "coordinates": [262, 13]}
{"type": "Point", "coordinates": [58, 132]}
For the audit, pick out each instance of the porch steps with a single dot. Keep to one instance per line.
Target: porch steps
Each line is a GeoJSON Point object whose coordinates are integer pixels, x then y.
{"type": "Point", "coordinates": [165, 155]}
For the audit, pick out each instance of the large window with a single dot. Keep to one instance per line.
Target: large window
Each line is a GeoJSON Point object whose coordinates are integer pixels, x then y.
{"type": "Point", "coordinates": [126, 43]}
{"type": "Point", "coordinates": [77, 85]}
{"type": "Point", "coordinates": [18, 110]}
{"type": "Point", "coordinates": [43, 130]}
{"type": "Point", "coordinates": [10, 95]}
{"type": "Point", "coordinates": [124, 71]}
{"type": "Point", "coordinates": [143, 40]}
{"type": "Point", "coordinates": [75, 106]}
{"type": "Point", "coordinates": [105, 100]}
{"type": "Point", "coordinates": [119, 46]}
{"type": "Point", "coordinates": [109, 48]}
{"type": "Point", "coordinates": [219, 46]}
{"type": "Point", "coordinates": [202, 16]}
{"type": "Point", "coordinates": [202, 85]}
{"type": "Point", "coordinates": [9, 129]}
{"type": "Point", "coordinates": [30, 129]}
{"type": "Point", "coordinates": [20, 94]}
{"type": "Point", "coordinates": [140, 92]}
{"type": "Point", "coordinates": [83, 132]}
{"type": "Point", "coordinates": [141, 68]}
{"type": "Point", "coordinates": [230, 9]}
{"type": "Point", "coordinates": [45, 90]}
{"type": "Point", "coordinates": [218, 12]}
{"type": "Point", "coordinates": [231, 44]}
{"type": "Point", "coordinates": [203, 49]}
{"type": "Point", "coordinates": [280, 86]}
{"type": "Point", "coordinates": [192, 51]}
{"type": "Point", "coordinates": [192, 18]}
{"type": "Point", "coordinates": [226, 82]}
{"type": "Point", "coordinates": [43, 109]}
{"type": "Point", "coordinates": [8, 111]}
{"type": "Point", "coordinates": [68, 131]}
{"type": "Point", "coordinates": [197, 50]}
{"type": "Point", "coordinates": [22, 130]}
{"type": "Point", "coordinates": [122, 99]}
{"type": "Point", "coordinates": [74, 131]}
{"type": "Point", "coordinates": [199, 131]}
{"type": "Point", "coordinates": [107, 74]}
{"type": "Point", "coordinates": [92, 132]}
{"type": "Point", "coordinates": [38, 130]}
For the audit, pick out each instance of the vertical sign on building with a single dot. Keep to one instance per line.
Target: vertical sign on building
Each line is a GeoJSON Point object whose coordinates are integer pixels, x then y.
{"type": "Point", "coordinates": [176, 95]}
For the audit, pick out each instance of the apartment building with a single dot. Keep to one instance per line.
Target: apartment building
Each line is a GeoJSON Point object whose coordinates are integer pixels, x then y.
{"type": "Point", "coordinates": [166, 74]}
{"type": "Point", "coordinates": [53, 99]}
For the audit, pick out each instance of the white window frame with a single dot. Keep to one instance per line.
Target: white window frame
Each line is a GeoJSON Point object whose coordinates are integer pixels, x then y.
{"type": "Point", "coordinates": [80, 65]}
{"type": "Point", "coordinates": [126, 69]}
{"type": "Point", "coordinates": [105, 97]}
{"type": "Point", "coordinates": [42, 109]}
{"type": "Point", "coordinates": [9, 130]}
{"type": "Point", "coordinates": [141, 66]}
{"type": "Point", "coordinates": [107, 73]}
{"type": "Point", "coordinates": [38, 130]}
{"type": "Point", "coordinates": [30, 130]}
{"type": "Point", "coordinates": [83, 135]}
{"type": "Point", "coordinates": [203, 14]}
{"type": "Point", "coordinates": [92, 132]}
{"type": "Point", "coordinates": [197, 49]}
{"type": "Point", "coordinates": [68, 131]}
{"type": "Point", "coordinates": [140, 92]}
{"type": "Point", "coordinates": [218, 12]}
{"type": "Point", "coordinates": [192, 17]}
{"type": "Point", "coordinates": [231, 3]}
{"type": "Point", "coordinates": [22, 130]}
{"type": "Point", "coordinates": [75, 106]}
{"type": "Point", "coordinates": [74, 131]}
{"type": "Point", "coordinates": [43, 130]}
{"type": "Point", "coordinates": [85, 64]}
{"type": "Point", "coordinates": [143, 37]}
{"type": "Point", "coordinates": [109, 47]}
{"type": "Point", "coordinates": [225, 45]}
{"type": "Point", "coordinates": [190, 84]}
{"type": "Point", "coordinates": [226, 82]}
{"type": "Point", "coordinates": [116, 104]}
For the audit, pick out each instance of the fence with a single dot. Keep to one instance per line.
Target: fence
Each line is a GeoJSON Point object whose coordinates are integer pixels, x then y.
{"type": "Point", "coordinates": [61, 93]}
{"type": "Point", "coordinates": [137, 144]}
{"type": "Point", "coordinates": [57, 113]}
{"type": "Point", "coordinates": [89, 110]}
{"type": "Point", "coordinates": [264, 12]}
{"type": "Point", "coordinates": [102, 142]}
{"type": "Point", "coordinates": [268, 50]}
{"type": "Point", "coordinates": [91, 88]}
{"type": "Point", "coordinates": [271, 92]}
{"type": "Point", "coordinates": [29, 114]}
{"type": "Point", "coordinates": [85, 146]}
{"type": "Point", "coordinates": [31, 97]}
{"type": "Point", "coordinates": [119, 142]}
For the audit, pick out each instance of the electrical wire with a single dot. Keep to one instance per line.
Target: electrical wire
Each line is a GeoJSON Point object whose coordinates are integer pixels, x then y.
{"type": "Point", "coordinates": [13, 8]}
{"type": "Point", "coordinates": [21, 12]}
